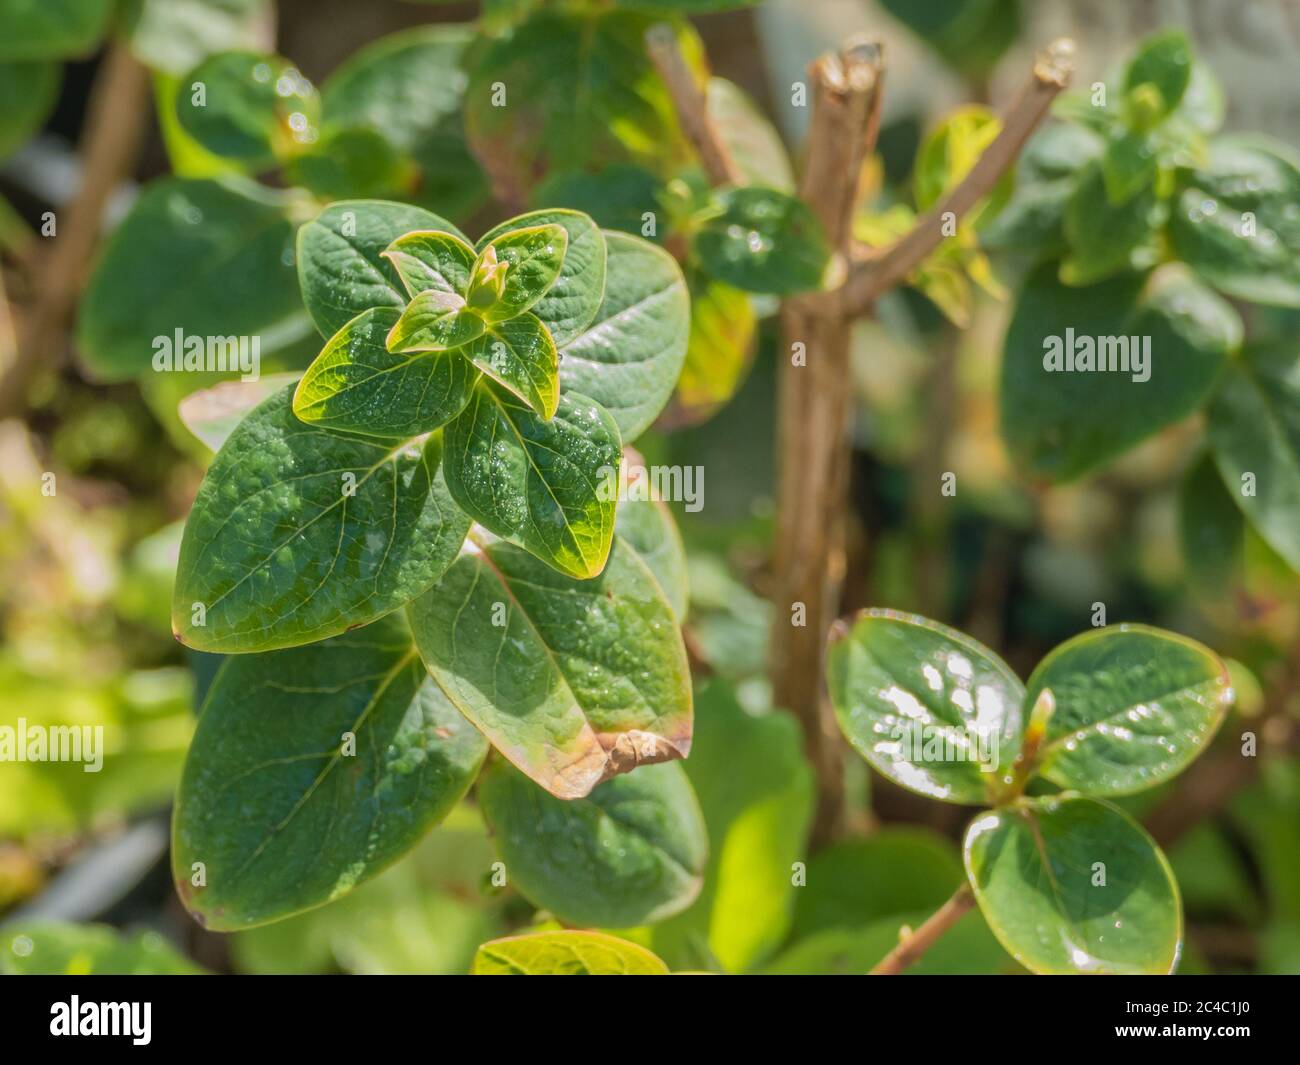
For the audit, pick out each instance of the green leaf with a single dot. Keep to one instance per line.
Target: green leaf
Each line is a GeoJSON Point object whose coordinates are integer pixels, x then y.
{"type": "Point", "coordinates": [573, 681]}
{"type": "Point", "coordinates": [609, 106]}
{"type": "Point", "coordinates": [629, 356]}
{"type": "Point", "coordinates": [648, 528]}
{"type": "Point", "coordinates": [545, 485]}
{"type": "Point", "coordinates": [631, 852]}
{"type": "Point", "coordinates": [52, 29]}
{"type": "Point", "coordinates": [408, 87]}
{"type": "Point", "coordinates": [174, 36]}
{"type": "Point", "coordinates": [1172, 333]}
{"type": "Point", "coordinates": [311, 771]}
{"type": "Point", "coordinates": [210, 259]}
{"type": "Point", "coordinates": [756, 791]}
{"type": "Point", "coordinates": [928, 707]}
{"type": "Point", "coordinates": [341, 267]}
{"type": "Point", "coordinates": [1165, 61]}
{"type": "Point", "coordinates": [432, 261]}
{"type": "Point", "coordinates": [54, 948]}
{"type": "Point", "coordinates": [357, 385]}
{"type": "Point", "coordinates": [763, 240]}
{"type": "Point", "coordinates": [531, 257]}
{"type": "Point", "coordinates": [1106, 238]}
{"type": "Point", "coordinates": [1254, 430]}
{"type": "Point", "coordinates": [1236, 223]}
{"type": "Point", "coordinates": [571, 303]}
{"type": "Point", "coordinates": [520, 355]}
{"type": "Point", "coordinates": [754, 145]}
{"type": "Point", "coordinates": [28, 92]}
{"type": "Point", "coordinates": [298, 534]}
{"type": "Point", "coordinates": [250, 106]}
{"type": "Point", "coordinates": [433, 321]}
{"type": "Point", "coordinates": [1073, 885]}
{"type": "Point", "coordinates": [565, 954]}
{"type": "Point", "coordinates": [1134, 705]}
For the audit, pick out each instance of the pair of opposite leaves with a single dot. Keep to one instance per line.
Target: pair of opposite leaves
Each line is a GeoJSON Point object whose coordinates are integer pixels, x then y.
{"type": "Point", "coordinates": [1067, 882]}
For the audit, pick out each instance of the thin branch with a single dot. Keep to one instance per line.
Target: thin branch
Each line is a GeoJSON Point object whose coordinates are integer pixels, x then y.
{"type": "Point", "coordinates": [114, 128]}
{"type": "Point", "coordinates": [691, 105]}
{"type": "Point", "coordinates": [886, 267]}
{"type": "Point", "coordinates": [912, 945]}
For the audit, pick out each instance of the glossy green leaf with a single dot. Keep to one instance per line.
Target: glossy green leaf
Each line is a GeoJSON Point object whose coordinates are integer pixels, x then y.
{"type": "Point", "coordinates": [573, 681]}
{"type": "Point", "coordinates": [211, 260]}
{"type": "Point", "coordinates": [764, 240]}
{"type": "Point", "coordinates": [1134, 705]}
{"type": "Point", "coordinates": [1062, 415]}
{"type": "Point", "coordinates": [249, 106]}
{"type": "Point", "coordinates": [312, 770]}
{"type": "Point", "coordinates": [1236, 222]}
{"type": "Point", "coordinates": [648, 528]}
{"type": "Point", "coordinates": [1254, 429]}
{"type": "Point", "coordinates": [609, 105]}
{"type": "Point", "coordinates": [54, 948]}
{"type": "Point", "coordinates": [1074, 886]}
{"type": "Point", "coordinates": [631, 852]}
{"type": "Point", "coordinates": [753, 143]}
{"type": "Point", "coordinates": [341, 268]}
{"type": "Point", "coordinates": [565, 954]}
{"type": "Point", "coordinates": [1106, 238]}
{"type": "Point", "coordinates": [432, 261]}
{"type": "Point", "coordinates": [408, 88]}
{"type": "Point", "coordinates": [432, 321]}
{"type": "Point", "coordinates": [529, 261]}
{"type": "Point", "coordinates": [51, 29]}
{"type": "Point", "coordinates": [1165, 61]}
{"type": "Point", "coordinates": [628, 358]}
{"type": "Point", "coordinates": [520, 355]}
{"type": "Point", "coordinates": [298, 534]}
{"type": "Point", "coordinates": [571, 302]}
{"type": "Point", "coordinates": [174, 36]}
{"type": "Point", "coordinates": [756, 791]}
{"type": "Point", "coordinates": [28, 92]}
{"type": "Point", "coordinates": [545, 485]}
{"type": "Point", "coordinates": [928, 707]}
{"type": "Point", "coordinates": [357, 385]}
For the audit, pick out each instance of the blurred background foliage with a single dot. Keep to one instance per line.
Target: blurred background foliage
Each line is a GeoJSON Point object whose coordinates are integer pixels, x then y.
{"type": "Point", "coordinates": [85, 572]}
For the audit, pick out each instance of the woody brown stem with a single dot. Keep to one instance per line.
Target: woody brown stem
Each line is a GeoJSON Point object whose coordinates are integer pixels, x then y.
{"type": "Point", "coordinates": [886, 267]}
{"type": "Point", "coordinates": [812, 429]}
{"type": "Point", "coordinates": [691, 105]}
{"type": "Point", "coordinates": [912, 945]}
